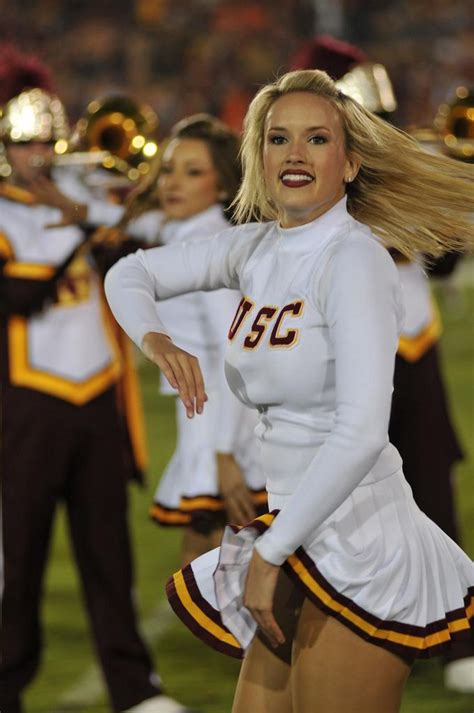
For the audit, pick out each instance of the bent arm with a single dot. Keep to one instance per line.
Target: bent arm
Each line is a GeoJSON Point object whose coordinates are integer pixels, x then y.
{"type": "Point", "coordinates": [136, 283]}
{"type": "Point", "coordinates": [359, 297]}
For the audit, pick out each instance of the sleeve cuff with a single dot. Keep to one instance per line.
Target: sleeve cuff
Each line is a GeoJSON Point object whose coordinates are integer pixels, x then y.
{"type": "Point", "coordinates": [270, 550]}
{"type": "Point", "coordinates": [146, 327]}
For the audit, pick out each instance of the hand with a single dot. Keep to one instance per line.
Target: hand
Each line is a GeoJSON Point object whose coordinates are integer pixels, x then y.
{"type": "Point", "coordinates": [181, 369]}
{"type": "Point", "coordinates": [258, 597]}
{"type": "Point", "coordinates": [107, 236]}
{"type": "Point", "coordinates": [47, 193]}
{"type": "Point", "coordinates": [237, 498]}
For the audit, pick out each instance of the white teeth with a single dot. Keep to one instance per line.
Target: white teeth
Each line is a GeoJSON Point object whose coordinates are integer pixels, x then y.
{"type": "Point", "coordinates": [296, 177]}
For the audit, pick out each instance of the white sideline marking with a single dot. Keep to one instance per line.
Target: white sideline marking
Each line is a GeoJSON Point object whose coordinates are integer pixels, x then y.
{"type": "Point", "coordinates": [90, 685]}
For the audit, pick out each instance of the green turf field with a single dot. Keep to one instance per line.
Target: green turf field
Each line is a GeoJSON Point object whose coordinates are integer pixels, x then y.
{"type": "Point", "coordinates": [68, 680]}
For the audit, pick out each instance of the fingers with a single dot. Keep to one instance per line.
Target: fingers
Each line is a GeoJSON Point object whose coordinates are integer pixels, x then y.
{"type": "Point", "coordinates": [268, 625]}
{"type": "Point", "coordinates": [187, 372]}
{"type": "Point", "coordinates": [165, 369]}
{"type": "Point", "coordinates": [239, 506]}
{"type": "Point", "coordinates": [183, 372]}
{"type": "Point", "coordinates": [200, 393]}
{"type": "Point", "coordinates": [51, 226]}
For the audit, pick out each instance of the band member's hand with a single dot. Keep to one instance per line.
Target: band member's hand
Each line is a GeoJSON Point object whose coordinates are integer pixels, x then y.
{"type": "Point", "coordinates": [258, 597]}
{"type": "Point", "coordinates": [181, 369]}
{"type": "Point", "coordinates": [106, 236]}
{"type": "Point", "coordinates": [237, 497]}
{"type": "Point", "coordinates": [47, 193]}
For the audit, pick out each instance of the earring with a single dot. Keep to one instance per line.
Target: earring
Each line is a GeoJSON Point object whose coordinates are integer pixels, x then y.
{"type": "Point", "coordinates": [349, 179]}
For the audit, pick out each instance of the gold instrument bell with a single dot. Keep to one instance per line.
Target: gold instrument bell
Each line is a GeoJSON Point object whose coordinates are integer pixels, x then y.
{"type": "Point", "coordinates": [455, 122]}
{"type": "Point", "coordinates": [116, 133]}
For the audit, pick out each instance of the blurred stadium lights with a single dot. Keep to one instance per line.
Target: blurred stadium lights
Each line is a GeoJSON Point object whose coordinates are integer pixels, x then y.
{"type": "Point", "coordinates": [150, 12]}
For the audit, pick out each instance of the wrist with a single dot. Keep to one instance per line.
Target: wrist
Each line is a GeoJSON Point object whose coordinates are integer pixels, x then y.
{"type": "Point", "coordinates": [222, 457]}
{"type": "Point", "coordinates": [150, 337]}
{"type": "Point", "coordinates": [79, 212]}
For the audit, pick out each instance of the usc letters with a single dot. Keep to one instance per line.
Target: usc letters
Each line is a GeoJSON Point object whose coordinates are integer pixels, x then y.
{"type": "Point", "coordinates": [266, 315]}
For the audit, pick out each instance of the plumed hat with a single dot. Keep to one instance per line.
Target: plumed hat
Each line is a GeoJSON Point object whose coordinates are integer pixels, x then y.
{"type": "Point", "coordinates": [364, 81]}
{"type": "Point", "coordinates": [329, 54]}
{"type": "Point", "coordinates": [30, 111]}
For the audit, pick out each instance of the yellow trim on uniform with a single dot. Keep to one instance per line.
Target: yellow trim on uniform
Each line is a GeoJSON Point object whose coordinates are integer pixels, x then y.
{"type": "Point", "coordinates": [133, 408]}
{"type": "Point", "coordinates": [417, 642]}
{"type": "Point", "coordinates": [260, 498]}
{"type": "Point", "coordinates": [470, 609]}
{"type": "Point", "coordinates": [129, 397]}
{"type": "Point", "coordinates": [413, 348]}
{"type": "Point", "coordinates": [199, 616]}
{"type": "Point", "coordinates": [200, 503]}
{"type": "Point", "coordinates": [23, 374]}
{"type": "Point", "coordinates": [267, 519]}
{"type": "Point", "coordinates": [29, 270]}
{"type": "Point", "coordinates": [17, 194]}
{"type": "Point", "coordinates": [169, 517]}
{"type": "Point", "coordinates": [6, 249]}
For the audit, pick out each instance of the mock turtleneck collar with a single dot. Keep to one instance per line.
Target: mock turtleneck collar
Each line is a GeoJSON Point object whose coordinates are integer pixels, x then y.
{"type": "Point", "coordinates": [323, 227]}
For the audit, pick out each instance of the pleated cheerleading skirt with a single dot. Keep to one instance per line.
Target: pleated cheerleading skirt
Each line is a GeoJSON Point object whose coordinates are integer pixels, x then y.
{"type": "Point", "coordinates": [378, 565]}
{"type": "Point", "coordinates": [188, 487]}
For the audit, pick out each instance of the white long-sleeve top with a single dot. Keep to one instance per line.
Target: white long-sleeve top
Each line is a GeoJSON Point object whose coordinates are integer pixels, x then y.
{"type": "Point", "coordinates": [314, 351]}
{"type": "Point", "coordinates": [199, 321]}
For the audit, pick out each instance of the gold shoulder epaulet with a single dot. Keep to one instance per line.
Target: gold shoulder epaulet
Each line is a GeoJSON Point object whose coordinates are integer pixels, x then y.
{"type": "Point", "coordinates": [17, 194]}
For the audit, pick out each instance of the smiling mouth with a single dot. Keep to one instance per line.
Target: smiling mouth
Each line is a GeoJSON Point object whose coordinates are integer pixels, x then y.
{"type": "Point", "coordinates": [296, 180]}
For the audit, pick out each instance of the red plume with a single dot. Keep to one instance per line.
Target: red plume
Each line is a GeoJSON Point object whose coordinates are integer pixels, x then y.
{"type": "Point", "coordinates": [19, 71]}
{"type": "Point", "coordinates": [329, 54]}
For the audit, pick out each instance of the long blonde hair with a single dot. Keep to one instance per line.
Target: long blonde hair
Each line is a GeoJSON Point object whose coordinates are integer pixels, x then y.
{"type": "Point", "coordinates": [414, 201]}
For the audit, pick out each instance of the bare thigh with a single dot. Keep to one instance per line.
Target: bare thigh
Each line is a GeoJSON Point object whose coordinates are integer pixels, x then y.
{"type": "Point", "coordinates": [196, 543]}
{"type": "Point", "coordinates": [264, 684]}
{"type": "Point", "coordinates": [336, 671]}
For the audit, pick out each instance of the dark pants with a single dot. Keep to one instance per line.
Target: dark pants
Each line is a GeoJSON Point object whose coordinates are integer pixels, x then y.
{"type": "Point", "coordinates": [422, 431]}
{"type": "Point", "coordinates": [52, 451]}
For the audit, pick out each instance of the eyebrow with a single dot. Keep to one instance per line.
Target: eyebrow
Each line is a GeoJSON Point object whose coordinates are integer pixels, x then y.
{"type": "Point", "coordinates": [309, 128]}
{"type": "Point", "coordinates": [187, 162]}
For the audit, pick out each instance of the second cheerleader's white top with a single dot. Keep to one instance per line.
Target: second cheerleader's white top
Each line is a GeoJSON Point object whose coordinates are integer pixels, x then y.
{"type": "Point", "coordinates": [312, 348]}
{"type": "Point", "coordinates": [198, 323]}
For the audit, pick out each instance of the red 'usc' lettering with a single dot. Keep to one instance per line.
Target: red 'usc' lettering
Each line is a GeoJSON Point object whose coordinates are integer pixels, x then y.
{"type": "Point", "coordinates": [291, 336]}
{"type": "Point", "coordinates": [253, 338]}
{"type": "Point", "coordinates": [279, 338]}
{"type": "Point", "coordinates": [245, 305]}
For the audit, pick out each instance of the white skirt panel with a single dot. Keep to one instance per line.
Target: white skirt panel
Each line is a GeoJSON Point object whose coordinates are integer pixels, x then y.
{"type": "Point", "coordinates": [189, 482]}
{"type": "Point", "coordinates": [379, 565]}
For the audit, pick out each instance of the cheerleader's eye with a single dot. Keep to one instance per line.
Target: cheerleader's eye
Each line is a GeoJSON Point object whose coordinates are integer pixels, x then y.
{"type": "Point", "coordinates": [277, 139]}
{"type": "Point", "coordinates": [318, 140]}
{"type": "Point", "coordinates": [195, 172]}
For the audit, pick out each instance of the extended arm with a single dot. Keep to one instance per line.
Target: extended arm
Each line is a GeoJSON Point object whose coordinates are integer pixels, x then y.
{"type": "Point", "coordinates": [136, 283]}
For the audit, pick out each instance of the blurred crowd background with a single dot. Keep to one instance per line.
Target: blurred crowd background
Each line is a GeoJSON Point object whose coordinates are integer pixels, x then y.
{"type": "Point", "coordinates": [183, 56]}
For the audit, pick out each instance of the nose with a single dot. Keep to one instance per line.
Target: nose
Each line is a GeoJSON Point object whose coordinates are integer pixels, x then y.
{"type": "Point", "coordinates": [170, 180]}
{"type": "Point", "coordinates": [296, 152]}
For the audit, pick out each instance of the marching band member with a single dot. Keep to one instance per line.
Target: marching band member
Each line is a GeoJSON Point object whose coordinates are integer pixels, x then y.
{"type": "Point", "coordinates": [63, 435]}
